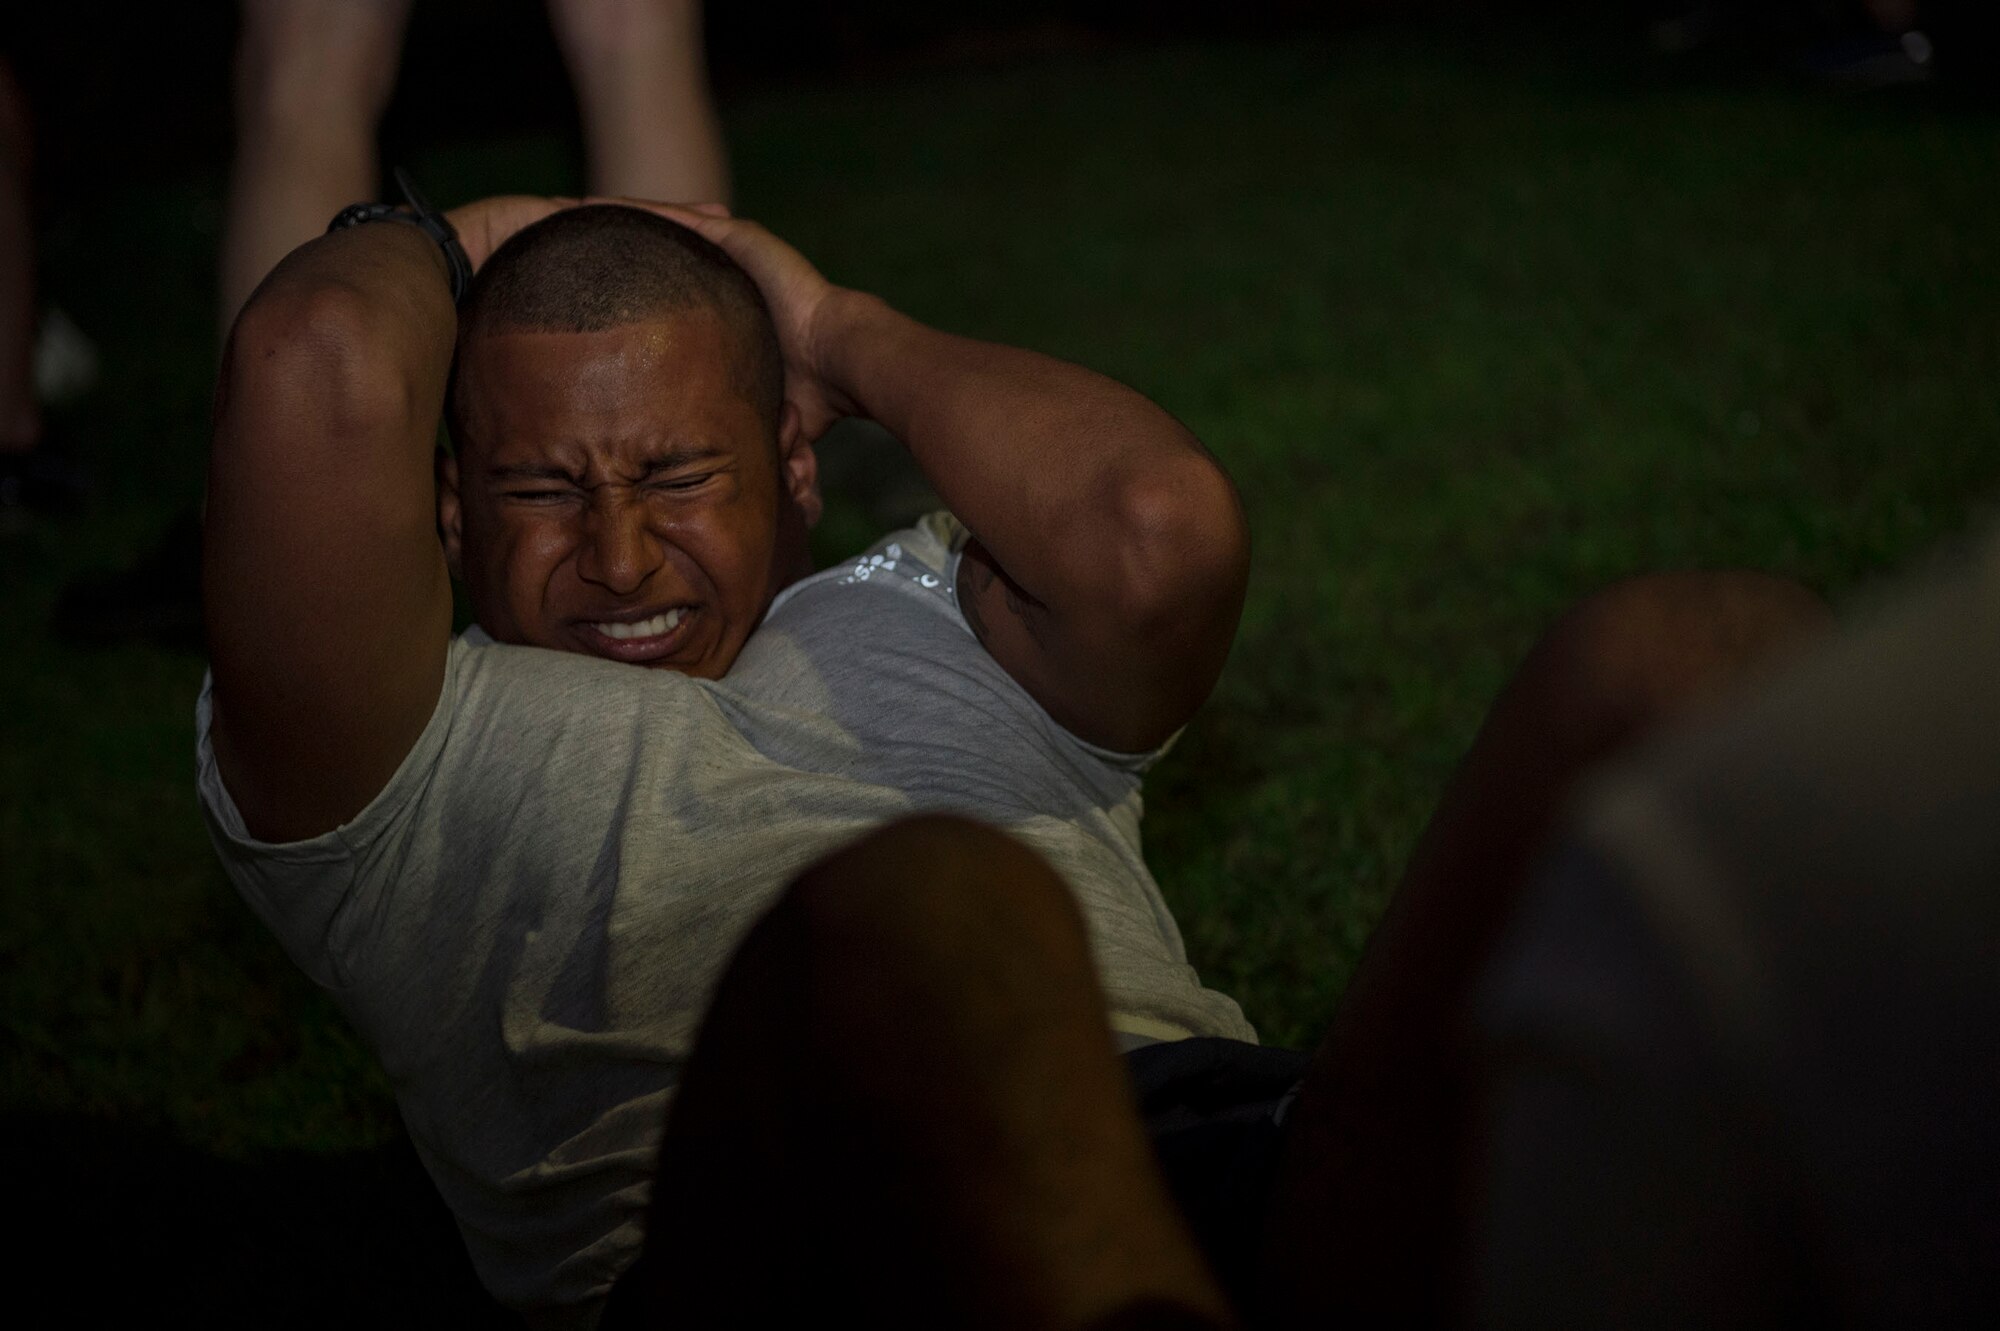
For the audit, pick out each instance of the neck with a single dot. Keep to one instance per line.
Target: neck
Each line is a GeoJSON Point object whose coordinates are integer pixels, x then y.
{"type": "Point", "coordinates": [792, 559]}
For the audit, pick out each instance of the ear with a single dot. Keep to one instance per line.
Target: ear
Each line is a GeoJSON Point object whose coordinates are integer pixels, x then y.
{"type": "Point", "coordinates": [450, 515]}
{"type": "Point", "coordinates": [798, 465]}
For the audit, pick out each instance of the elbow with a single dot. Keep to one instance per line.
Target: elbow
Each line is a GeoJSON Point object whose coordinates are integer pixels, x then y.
{"type": "Point", "coordinates": [292, 321]}
{"type": "Point", "coordinates": [1184, 548]}
{"type": "Point", "coordinates": [321, 353]}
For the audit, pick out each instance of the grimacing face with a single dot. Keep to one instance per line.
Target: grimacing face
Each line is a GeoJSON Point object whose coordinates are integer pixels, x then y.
{"type": "Point", "coordinates": [616, 494]}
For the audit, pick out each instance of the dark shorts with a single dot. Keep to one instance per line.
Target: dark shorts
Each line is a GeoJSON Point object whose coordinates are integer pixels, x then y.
{"type": "Point", "coordinates": [1216, 1110]}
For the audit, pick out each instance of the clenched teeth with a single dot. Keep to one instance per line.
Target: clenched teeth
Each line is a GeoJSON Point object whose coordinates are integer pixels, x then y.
{"type": "Point", "coordinates": [646, 628]}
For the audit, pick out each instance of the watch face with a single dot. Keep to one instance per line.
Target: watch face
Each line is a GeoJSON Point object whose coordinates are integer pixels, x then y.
{"type": "Point", "coordinates": [356, 213]}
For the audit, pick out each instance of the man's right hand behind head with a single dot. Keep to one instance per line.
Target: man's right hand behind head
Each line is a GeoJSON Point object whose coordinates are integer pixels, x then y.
{"type": "Point", "coordinates": [484, 225]}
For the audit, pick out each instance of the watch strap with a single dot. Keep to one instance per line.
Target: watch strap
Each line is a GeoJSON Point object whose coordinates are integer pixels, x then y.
{"type": "Point", "coordinates": [414, 211]}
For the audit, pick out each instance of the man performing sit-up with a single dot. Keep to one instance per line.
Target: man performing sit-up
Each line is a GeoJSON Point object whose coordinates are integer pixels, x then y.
{"type": "Point", "coordinates": [557, 891]}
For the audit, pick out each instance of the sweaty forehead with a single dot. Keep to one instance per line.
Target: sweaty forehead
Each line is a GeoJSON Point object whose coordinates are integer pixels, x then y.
{"type": "Point", "coordinates": [593, 370]}
{"type": "Point", "coordinates": [521, 385]}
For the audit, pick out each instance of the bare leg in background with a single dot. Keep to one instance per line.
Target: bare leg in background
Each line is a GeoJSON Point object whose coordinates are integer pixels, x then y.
{"type": "Point", "coordinates": [649, 124]}
{"type": "Point", "coordinates": [314, 76]}
{"type": "Point", "coordinates": [312, 80]}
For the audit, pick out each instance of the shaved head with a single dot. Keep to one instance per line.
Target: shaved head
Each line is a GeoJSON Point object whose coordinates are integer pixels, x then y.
{"type": "Point", "coordinates": [627, 482]}
{"type": "Point", "coordinates": [603, 266]}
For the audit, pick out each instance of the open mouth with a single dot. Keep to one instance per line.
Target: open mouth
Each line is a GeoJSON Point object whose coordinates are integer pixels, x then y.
{"type": "Point", "coordinates": [639, 641]}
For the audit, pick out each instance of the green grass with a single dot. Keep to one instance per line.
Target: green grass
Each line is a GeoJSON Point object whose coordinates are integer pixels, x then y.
{"type": "Point", "coordinates": [1473, 336]}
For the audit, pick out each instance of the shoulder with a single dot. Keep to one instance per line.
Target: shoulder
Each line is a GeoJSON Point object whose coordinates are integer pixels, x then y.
{"type": "Point", "coordinates": [892, 618]}
{"type": "Point", "coordinates": [521, 743]}
{"type": "Point", "coordinates": [499, 706]}
{"type": "Point", "coordinates": [919, 560]}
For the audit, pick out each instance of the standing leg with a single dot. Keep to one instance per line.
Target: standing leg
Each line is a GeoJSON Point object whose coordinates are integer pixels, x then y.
{"type": "Point", "coordinates": [1368, 1217]}
{"type": "Point", "coordinates": [906, 1109]}
{"type": "Point", "coordinates": [649, 126]}
{"type": "Point", "coordinates": [312, 80]}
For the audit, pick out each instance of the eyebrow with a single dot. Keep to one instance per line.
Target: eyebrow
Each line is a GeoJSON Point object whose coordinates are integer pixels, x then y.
{"type": "Point", "coordinates": [670, 459]}
{"type": "Point", "coordinates": [680, 455]}
{"type": "Point", "coordinates": [533, 472]}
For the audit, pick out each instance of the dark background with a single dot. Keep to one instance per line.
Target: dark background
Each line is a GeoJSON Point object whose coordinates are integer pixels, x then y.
{"type": "Point", "coordinates": [142, 90]}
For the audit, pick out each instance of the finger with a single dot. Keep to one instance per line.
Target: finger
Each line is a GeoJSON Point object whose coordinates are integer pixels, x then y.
{"type": "Point", "coordinates": [662, 205]}
{"type": "Point", "coordinates": [713, 226]}
{"type": "Point", "coordinates": [695, 216]}
{"type": "Point", "coordinates": [686, 210]}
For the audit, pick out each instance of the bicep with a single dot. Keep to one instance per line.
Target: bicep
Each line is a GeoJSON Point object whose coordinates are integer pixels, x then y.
{"type": "Point", "coordinates": [1124, 682]}
{"type": "Point", "coordinates": [327, 598]}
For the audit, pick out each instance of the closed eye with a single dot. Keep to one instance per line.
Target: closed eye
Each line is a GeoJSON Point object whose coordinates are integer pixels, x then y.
{"type": "Point", "coordinates": [681, 483]}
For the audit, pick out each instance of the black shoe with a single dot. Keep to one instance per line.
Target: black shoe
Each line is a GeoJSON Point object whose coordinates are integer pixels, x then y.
{"type": "Point", "coordinates": [156, 600]}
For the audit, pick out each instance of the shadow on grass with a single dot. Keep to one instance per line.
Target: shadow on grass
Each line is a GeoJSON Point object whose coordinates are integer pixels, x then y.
{"type": "Point", "coordinates": [118, 1217]}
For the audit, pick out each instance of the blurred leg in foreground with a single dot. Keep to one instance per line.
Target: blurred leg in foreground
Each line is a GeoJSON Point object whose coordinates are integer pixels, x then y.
{"type": "Point", "coordinates": [1371, 1208]}
{"type": "Point", "coordinates": [1739, 1049]}
{"type": "Point", "coordinates": [906, 1109]}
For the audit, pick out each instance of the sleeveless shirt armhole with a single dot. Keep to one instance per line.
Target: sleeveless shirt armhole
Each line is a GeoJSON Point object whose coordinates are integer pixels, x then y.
{"type": "Point", "coordinates": [409, 779]}
{"type": "Point", "coordinates": [951, 535]}
{"type": "Point", "coordinates": [301, 890]}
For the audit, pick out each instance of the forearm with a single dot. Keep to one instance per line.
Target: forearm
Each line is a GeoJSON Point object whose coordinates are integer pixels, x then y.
{"type": "Point", "coordinates": [1111, 555]}
{"type": "Point", "coordinates": [1089, 495]}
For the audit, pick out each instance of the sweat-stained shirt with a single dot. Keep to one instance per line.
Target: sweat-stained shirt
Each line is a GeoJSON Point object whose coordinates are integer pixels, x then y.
{"type": "Point", "coordinates": [528, 921]}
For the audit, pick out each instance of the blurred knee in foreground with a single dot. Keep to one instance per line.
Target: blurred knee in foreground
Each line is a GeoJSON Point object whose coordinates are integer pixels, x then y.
{"type": "Point", "coordinates": [1646, 647]}
{"type": "Point", "coordinates": [911, 1050]}
{"type": "Point", "coordinates": [1739, 1047]}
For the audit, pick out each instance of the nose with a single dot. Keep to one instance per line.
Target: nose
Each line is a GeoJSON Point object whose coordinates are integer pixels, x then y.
{"type": "Point", "coordinates": [619, 550]}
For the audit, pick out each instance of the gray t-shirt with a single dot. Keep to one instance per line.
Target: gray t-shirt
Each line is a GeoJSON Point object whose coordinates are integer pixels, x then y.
{"type": "Point", "coordinates": [528, 921]}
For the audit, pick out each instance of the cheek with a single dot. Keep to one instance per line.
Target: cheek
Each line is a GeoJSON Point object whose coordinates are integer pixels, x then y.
{"type": "Point", "coordinates": [740, 553]}
{"type": "Point", "coordinates": [535, 549]}
{"type": "Point", "coordinates": [517, 557]}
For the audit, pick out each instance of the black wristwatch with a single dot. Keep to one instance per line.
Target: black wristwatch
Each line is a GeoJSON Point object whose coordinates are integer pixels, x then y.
{"type": "Point", "coordinates": [415, 212]}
